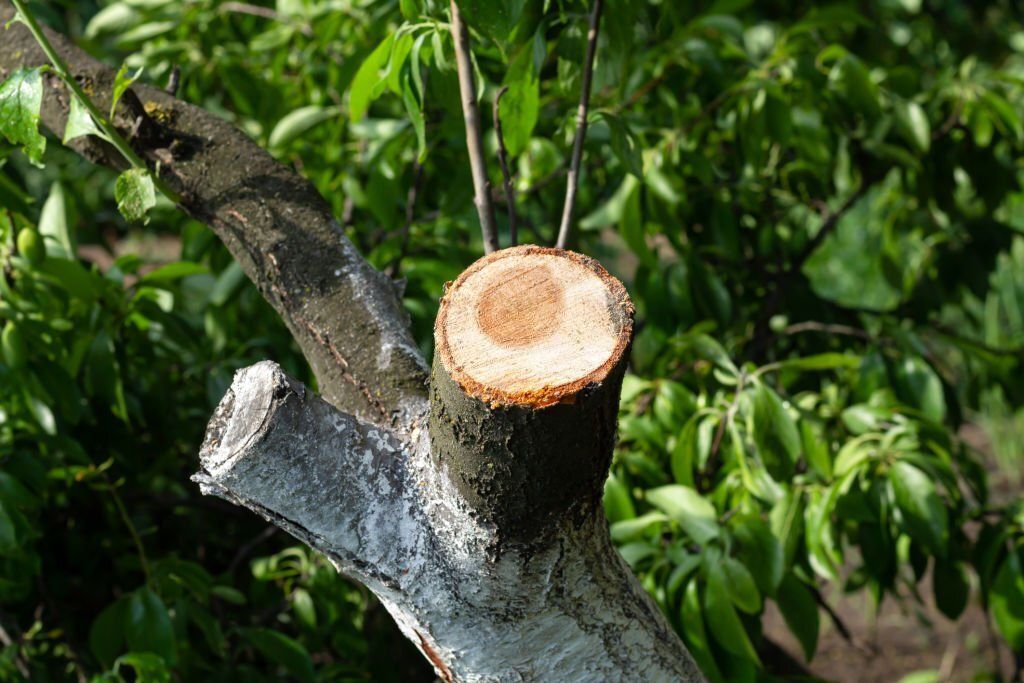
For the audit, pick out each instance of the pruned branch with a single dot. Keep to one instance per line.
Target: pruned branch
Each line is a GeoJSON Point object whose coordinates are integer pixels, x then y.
{"type": "Point", "coordinates": [510, 191]}
{"type": "Point", "coordinates": [474, 135]}
{"type": "Point", "coordinates": [581, 127]}
{"type": "Point", "coordinates": [345, 316]}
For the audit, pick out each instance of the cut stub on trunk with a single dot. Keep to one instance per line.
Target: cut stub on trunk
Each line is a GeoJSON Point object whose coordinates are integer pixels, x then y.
{"type": "Point", "coordinates": [532, 326]}
{"type": "Point", "coordinates": [531, 348]}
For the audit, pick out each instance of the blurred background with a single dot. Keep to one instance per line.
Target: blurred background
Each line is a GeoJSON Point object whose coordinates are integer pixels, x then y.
{"type": "Point", "coordinates": [816, 206]}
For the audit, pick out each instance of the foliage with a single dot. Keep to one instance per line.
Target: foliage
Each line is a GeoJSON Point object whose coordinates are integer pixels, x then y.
{"type": "Point", "coordinates": [816, 207]}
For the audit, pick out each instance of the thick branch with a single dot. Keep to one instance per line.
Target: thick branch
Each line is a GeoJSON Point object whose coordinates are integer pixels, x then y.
{"type": "Point", "coordinates": [474, 135]}
{"type": "Point", "coordinates": [345, 315]}
{"type": "Point", "coordinates": [565, 610]}
{"type": "Point", "coordinates": [581, 127]}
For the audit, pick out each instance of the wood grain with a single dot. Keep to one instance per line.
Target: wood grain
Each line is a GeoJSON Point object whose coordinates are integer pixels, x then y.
{"type": "Point", "coordinates": [533, 326]}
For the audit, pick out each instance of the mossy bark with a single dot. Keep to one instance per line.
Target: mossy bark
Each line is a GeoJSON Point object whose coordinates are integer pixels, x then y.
{"type": "Point", "coordinates": [525, 469]}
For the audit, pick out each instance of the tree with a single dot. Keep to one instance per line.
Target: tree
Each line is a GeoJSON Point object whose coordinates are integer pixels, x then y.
{"type": "Point", "coordinates": [818, 420]}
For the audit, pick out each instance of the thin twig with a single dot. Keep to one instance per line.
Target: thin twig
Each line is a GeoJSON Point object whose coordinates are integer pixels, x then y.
{"type": "Point", "coordinates": [410, 217]}
{"type": "Point", "coordinates": [581, 127]}
{"type": "Point", "coordinates": [113, 136]}
{"type": "Point", "coordinates": [510, 191]}
{"type": "Point", "coordinates": [474, 138]}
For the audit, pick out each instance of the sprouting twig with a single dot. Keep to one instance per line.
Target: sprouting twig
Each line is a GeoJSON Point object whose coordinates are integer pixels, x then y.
{"type": "Point", "coordinates": [474, 138]}
{"type": "Point", "coordinates": [581, 127]}
{"type": "Point", "coordinates": [113, 135]}
{"type": "Point", "coordinates": [510, 191]}
{"type": "Point", "coordinates": [173, 81]}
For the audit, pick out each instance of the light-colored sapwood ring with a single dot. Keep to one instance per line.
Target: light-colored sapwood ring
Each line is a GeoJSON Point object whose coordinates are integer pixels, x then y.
{"type": "Point", "coordinates": [532, 326]}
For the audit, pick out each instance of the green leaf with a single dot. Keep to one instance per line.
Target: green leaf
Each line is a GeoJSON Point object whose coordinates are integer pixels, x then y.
{"type": "Point", "coordinates": [122, 81]}
{"type": "Point", "coordinates": [106, 636]}
{"type": "Point", "coordinates": [684, 505]}
{"type": "Point", "coordinates": [852, 81]}
{"type": "Point", "coordinates": [821, 361]}
{"type": "Point", "coordinates": [415, 111]}
{"type": "Point", "coordinates": [494, 18]}
{"type": "Point", "coordinates": [148, 667]}
{"type": "Point", "coordinates": [912, 123]}
{"type": "Point", "coordinates": [723, 622]}
{"type": "Point", "coordinates": [787, 523]}
{"type": "Point", "coordinates": [305, 610]}
{"type": "Point", "coordinates": [53, 224]}
{"type": "Point", "coordinates": [1006, 601]}
{"type": "Point", "coordinates": [684, 452]}
{"type": "Point", "coordinates": [174, 271]}
{"type": "Point", "coordinates": [695, 634]}
{"type": "Point", "coordinates": [800, 612]}
{"type": "Point", "coordinates": [775, 433]}
{"type": "Point", "coordinates": [741, 586]}
{"type": "Point", "coordinates": [8, 532]}
{"type": "Point", "coordinates": [21, 97]}
{"type": "Point", "coordinates": [624, 144]}
{"type": "Point", "coordinates": [80, 122]}
{"type": "Point", "coordinates": [149, 628]}
{"type": "Point", "coordinates": [520, 105]}
{"type": "Point", "coordinates": [364, 86]}
{"type": "Point", "coordinates": [298, 122]}
{"type": "Point", "coordinates": [923, 514]}
{"type": "Point", "coordinates": [135, 194]}
{"type": "Point", "coordinates": [631, 529]}
{"type": "Point", "coordinates": [919, 386]}
{"type": "Point", "coordinates": [951, 587]}
{"type": "Point", "coordinates": [761, 552]}
{"type": "Point", "coordinates": [618, 504]}
{"type": "Point", "coordinates": [282, 650]}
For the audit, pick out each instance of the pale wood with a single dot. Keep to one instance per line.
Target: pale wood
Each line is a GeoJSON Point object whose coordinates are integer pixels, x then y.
{"type": "Point", "coordinates": [532, 326]}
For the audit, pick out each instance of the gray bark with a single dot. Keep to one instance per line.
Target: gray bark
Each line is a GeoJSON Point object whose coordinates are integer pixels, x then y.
{"type": "Point", "coordinates": [567, 609]}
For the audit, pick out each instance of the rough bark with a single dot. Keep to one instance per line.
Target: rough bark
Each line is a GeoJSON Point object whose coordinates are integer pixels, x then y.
{"type": "Point", "coordinates": [565, 610]}
{"type": "Point", "coordinates": [346, 316]}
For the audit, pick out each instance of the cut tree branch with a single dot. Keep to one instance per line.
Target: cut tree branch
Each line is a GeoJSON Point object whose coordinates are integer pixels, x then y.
{"type": "Point", "coordinates": [573, 179]}
{"type": "Point", "coordinates": [510, 191]}
{"type": "Point", "coordinates": [474, 133]}
{"type": "Point", "coordinates": [345, 316]}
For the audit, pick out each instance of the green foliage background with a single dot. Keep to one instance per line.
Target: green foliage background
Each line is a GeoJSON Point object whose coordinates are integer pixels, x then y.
{"type": "Point", "coordinates": [817, 207]}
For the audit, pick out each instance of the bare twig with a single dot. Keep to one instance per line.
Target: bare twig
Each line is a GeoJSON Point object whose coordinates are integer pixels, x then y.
{"type": "Point", "coordinates": [510, 191]}
{"type": "Point", "coordinates": [581, 127]}
{"type": "Point", "coordinates": [474, 138]}
{"type": "Point", "coordinates": [410, 216]}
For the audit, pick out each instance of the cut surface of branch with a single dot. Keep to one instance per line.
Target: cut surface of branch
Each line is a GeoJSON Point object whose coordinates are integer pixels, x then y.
{"type": "Point", "coordinates": [573, 179]}
{"type": "Point", "coordinates": [532, 326]}
{"type": "Point", "coordinates": [474, 131]}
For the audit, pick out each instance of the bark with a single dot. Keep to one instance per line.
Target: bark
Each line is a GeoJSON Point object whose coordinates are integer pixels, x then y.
{"type": "Point", "coordinates": [568, 609]}
{"type": "Point", "coordinates": [345, 316]}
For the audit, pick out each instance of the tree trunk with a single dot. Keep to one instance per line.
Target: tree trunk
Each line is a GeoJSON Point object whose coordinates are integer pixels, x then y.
{"type": "Point", "coordinates": [484, 534]}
